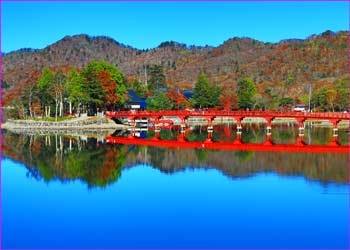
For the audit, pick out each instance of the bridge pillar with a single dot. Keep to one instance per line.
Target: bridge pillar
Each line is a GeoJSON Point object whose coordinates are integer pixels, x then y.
{"type": "Point", "coordinates": [335, 127]}
{"type": "Point", "coordinates": [132, 121]}
{"type": "Point", "coordinates": [301, 126]}
{"type": "Point", "coordinates": [335, 132]}
{"type": "Point", "coordinates": [132, 134]}
{"type": "Point", "coordinates": [300, 140]}
{"type": "Point", "coordinates": [210, 123]}
{"type": "Point", "coordinates": [238, 139]}
{"type": "Point", "coordinates": [210, 137]}
{"type": "Point", "coordinates": [269, 125]}
{"type": "Point", "coordinates": [156, 136]}
{"type": "Point", "coordinates": [238, 124]}
{"type": "Point", "coordinates": [268, 139]}
{"type": "Point", "coordinates": [334, 141]}
{"type": "Point", "coordinates": [181, 137]}
{"type": "Point", "coordinates": [183, 122]}
{"type": "Point", "coordinates": [156, 125]}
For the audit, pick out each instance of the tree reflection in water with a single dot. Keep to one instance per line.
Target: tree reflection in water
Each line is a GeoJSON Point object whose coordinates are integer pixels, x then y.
{"type": "Point", "coordinates": [66, 158]}
{"type": "Point", "coordinates": [98, 164]}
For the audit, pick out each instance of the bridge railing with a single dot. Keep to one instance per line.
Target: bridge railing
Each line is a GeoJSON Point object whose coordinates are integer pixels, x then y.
{"type": "Point", "coordinates": [240, 113]}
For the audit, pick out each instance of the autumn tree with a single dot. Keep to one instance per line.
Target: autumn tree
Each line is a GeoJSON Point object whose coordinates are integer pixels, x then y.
{"type": "Point", "coordinates": [109, 88]}
{"type": "Point", "coordinates": [177, 98]}
{"type": "Point", "coordinates": [228, 100]}
{"type": "Point", "coordinates": [103, 84]}
{"type": "Point", "coordinates": [342, 98]}
{"type": "Point", "coordinates": [30, 93]}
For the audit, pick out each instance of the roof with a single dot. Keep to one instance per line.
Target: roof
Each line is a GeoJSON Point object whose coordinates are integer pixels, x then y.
{"type": "Point", "coordinates": [135, 99]}
{"type": "Point", "coordinates": [188, 93]}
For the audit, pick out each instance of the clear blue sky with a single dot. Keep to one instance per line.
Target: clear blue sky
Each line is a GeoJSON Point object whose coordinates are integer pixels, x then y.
{"type": "Point", "coordinates": [147, 24]}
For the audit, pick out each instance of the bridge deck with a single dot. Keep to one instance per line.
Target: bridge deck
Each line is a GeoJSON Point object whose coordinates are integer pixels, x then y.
{"type": "Point", "coordinates": [218, 113]}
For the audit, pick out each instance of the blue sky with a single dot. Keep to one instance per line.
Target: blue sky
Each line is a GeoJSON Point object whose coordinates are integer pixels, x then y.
{"type": "Point", "coordinates": [147, 24]}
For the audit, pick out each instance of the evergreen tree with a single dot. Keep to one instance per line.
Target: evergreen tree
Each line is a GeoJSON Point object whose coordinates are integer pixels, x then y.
{"type": "Point", "coordinates": [214, 95]}
{"type": "Point", "coordinates": [245, 92]}
{"type": "Point", "coordinates": [157, 78]}
{"type": "Point", "coordinates": [201, 92]}
{"type": "Point", "coordinates": [159, 102]}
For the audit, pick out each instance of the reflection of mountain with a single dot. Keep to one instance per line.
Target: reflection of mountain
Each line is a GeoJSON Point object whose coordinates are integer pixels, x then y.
{"type": "Point", "coordinates": [65, 159]}
{"type": "Point", "coordinates": [314, 166]}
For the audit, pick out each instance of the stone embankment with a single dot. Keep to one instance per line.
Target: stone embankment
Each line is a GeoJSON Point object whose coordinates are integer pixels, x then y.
{"type": "Point", "coordinates": [87, 123]}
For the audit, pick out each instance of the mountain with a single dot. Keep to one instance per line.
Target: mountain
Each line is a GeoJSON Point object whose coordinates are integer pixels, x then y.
{"type": "Point", "coordinates": [294, 63]}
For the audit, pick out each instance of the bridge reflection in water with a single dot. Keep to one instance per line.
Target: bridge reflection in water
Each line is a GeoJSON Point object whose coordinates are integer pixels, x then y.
{"type": "Point", "coordinates": [159, 118]}
{"type": "Point", "coordinates": [181, 141]}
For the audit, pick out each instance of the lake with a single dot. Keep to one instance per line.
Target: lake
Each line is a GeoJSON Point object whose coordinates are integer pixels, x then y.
{"type": "Point", "coordinates": [61, 191]}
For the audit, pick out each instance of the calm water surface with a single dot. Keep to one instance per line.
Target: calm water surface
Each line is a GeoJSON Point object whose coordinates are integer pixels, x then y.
{"type": "Point", "coordinates": [61, 191]}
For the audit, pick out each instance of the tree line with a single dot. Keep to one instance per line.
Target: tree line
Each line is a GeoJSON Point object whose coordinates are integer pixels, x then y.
{"type": "Point", "coordinates": [100, 86]}
{"type": "Point", "coordinates": [50, 93]}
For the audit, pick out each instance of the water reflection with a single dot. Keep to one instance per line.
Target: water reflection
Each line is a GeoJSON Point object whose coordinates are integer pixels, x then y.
{"type": "Point", "coordinates": [65, 158]}
{"type": "Point", "coordinates": [253, 133]}
{"type": "Point", "coordinates": [197, 134]}
{"type": "Point", "coordinates": [318, 135]}
{"type": "Point", "coordinates": [285, 134]}
{"type": "Point", "coordinates": [224, 133]}
{"type": "Point", "coordinates": [96, 163]}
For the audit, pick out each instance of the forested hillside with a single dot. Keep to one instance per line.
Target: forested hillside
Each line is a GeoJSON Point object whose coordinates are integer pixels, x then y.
{"type": "Point", "coordinates": [288, 69]}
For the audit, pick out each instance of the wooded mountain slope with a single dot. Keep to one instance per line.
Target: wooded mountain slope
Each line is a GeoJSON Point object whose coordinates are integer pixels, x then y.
{"type": "Point", "coordinates": [288, 66]}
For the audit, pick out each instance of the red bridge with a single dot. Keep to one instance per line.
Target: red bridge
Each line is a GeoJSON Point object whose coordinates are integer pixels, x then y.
{"type": "Point", "coordinates": [269, 116]}
{"type": "Point", "coordinates": [236, 145]}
